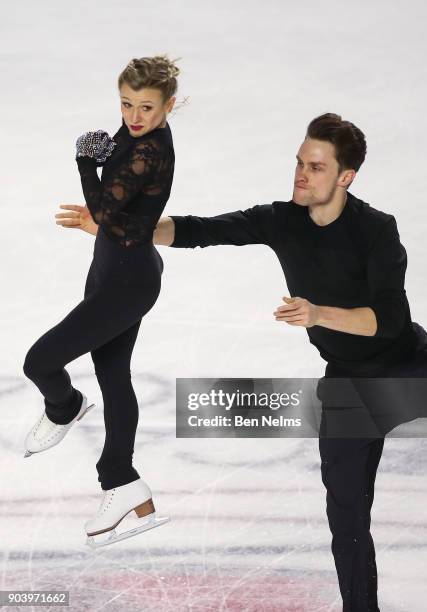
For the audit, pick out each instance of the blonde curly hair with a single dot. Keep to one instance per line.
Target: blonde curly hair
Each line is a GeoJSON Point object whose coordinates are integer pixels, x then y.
{"type": "Point", "coordinates": [158, 72]}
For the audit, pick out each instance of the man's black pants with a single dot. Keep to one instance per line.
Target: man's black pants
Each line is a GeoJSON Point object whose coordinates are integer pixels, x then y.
{"type": "Point", "coordinates": [349, 466]}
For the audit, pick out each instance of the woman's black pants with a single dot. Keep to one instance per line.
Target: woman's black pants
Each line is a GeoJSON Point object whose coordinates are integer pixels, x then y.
{"type": "Point", "coordinates": [349, 466]}
{"type": "Point", "coordinates": [122, 285]}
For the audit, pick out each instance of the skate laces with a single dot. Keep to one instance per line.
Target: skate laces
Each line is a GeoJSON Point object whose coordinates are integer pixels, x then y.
{"type": "Point", "coordinates": [106, 501]}
{"type": "Point", "coordinates": [44, 427]}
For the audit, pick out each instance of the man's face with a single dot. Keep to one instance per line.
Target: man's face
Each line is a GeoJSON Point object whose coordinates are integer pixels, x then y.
{"type": "Point", "coordinates": [316, 174]}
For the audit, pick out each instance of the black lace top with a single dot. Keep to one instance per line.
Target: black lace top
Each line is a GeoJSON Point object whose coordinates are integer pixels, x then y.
{"type": "Point", "coordinates": [135, 184]}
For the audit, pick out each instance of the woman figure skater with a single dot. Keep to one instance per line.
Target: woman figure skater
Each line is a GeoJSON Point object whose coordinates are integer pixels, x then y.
{"type": "Point", "coordinates": [126, 203]}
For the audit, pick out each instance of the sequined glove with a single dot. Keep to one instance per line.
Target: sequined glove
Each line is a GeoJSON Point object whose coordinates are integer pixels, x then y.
{"type": "Point", "coordinates": [97, 145]}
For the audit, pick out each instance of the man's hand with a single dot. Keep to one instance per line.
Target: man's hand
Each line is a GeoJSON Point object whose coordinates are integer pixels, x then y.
{"type": "Point", "coordinates": [297, 311]}
{"type": "Point", "coordinates": [79, 217]}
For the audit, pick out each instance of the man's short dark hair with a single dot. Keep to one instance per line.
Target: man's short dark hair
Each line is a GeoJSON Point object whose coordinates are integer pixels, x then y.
{"type": "Point", "coordinates": [348, 140]}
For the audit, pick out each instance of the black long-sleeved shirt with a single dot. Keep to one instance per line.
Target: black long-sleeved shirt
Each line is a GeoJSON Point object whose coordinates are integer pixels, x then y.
{"type": "Point", "coordinates": [356, 260]}
{"type": "Point", "coordinates": [135, 184]}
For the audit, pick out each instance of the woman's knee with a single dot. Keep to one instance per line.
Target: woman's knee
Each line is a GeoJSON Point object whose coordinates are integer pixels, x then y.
{"type": "Point", "coordinates": [35, 362]}
{"type": "Point", "coordinates": [30, 363]}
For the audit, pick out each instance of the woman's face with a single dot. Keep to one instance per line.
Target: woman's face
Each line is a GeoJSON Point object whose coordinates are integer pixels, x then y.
{"type": "Point", "coordinates": [144, 108]}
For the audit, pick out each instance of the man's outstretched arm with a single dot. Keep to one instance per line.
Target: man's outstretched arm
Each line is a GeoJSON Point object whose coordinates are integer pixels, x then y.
{"type": "Point", "coordinates": [240, 227]}
{"type": "Point", "coordinates": [251, 226]}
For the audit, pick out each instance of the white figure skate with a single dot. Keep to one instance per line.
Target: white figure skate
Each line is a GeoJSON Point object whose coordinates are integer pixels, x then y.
{"type": "Point", "coordinates": [46, 434]}
{"type": "Point", "coordinates": [115, 506]}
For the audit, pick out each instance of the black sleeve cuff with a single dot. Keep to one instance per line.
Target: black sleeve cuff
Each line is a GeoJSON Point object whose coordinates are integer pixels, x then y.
{"type": "Point", "coordinates": [84, 161]}
{"type": "Point", "coordinates": [182, 237]}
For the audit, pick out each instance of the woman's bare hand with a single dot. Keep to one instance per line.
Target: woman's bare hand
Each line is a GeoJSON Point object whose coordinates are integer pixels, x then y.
{"type": "Point", "coordinates": [78, 217]}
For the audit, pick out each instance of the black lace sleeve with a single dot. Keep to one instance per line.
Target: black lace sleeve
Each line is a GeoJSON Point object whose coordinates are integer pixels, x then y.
{"type": "Point", "coordinates": [139, 172]}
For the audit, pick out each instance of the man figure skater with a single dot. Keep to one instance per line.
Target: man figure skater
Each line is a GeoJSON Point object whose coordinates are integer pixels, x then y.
{"type": "Point", "coordinates": [345, 268]}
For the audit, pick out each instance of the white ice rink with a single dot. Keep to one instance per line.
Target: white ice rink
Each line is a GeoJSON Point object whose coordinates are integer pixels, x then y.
{"type": "Point", "coordinates": [249, 530]}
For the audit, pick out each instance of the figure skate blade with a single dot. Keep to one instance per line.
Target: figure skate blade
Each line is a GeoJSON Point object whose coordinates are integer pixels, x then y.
{"type": "Point", "coordinates": [110, 537]}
